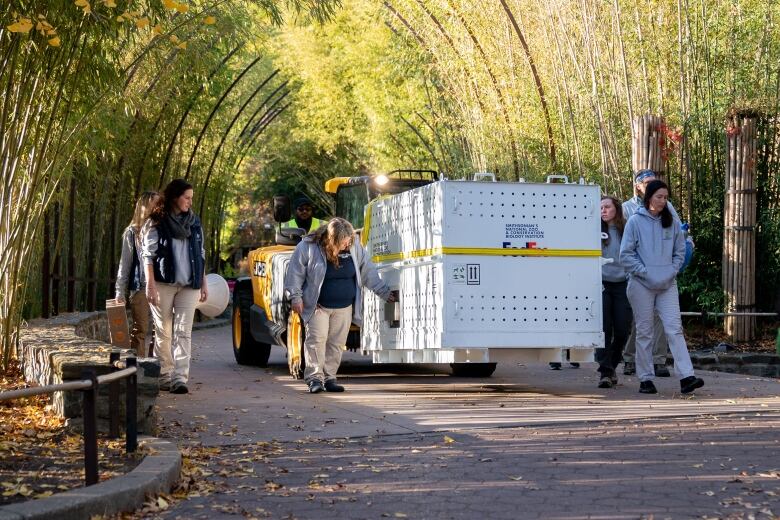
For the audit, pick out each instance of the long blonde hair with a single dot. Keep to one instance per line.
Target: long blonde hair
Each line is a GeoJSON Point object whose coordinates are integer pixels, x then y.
{"type": "Point", "coordinates": [143, 207]}
{"type": "Point", "coordinates": [331, 235]}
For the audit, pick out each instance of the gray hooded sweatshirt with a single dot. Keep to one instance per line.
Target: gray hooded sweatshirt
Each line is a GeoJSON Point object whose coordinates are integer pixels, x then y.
{"type": "Point", "coordinates": [614, 272]}
{"type": "Point", "coordinates": [306, 272]}
{"type": "Point", "coordinates": [651, 253]}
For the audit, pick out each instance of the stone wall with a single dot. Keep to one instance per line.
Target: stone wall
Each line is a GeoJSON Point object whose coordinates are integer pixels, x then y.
{"type": "Point", "coordinates": [56, 350]}
{"type": "Point", "coordinates": [763, 365]}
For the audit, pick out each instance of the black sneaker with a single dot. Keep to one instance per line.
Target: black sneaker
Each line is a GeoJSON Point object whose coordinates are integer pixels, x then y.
{"type": "Point", "coordinates": [661, 371]}
{"type": "Point", "coordinates": [605, 382]}
{"type": "Point", "coordinates": [315, 387]}
{"type": "Point", "coordinates": [647, 387]}
{"type": "Point", "coordinates": [629, 368]}
{"type": "Point", "coordinates": [555, 366]}
{"type": "Point", "coordinates": [332, 386]}
{"type": "Point", "coordinates": [690, 383]}
{"type": "Point", "coordinates": [179, 388]}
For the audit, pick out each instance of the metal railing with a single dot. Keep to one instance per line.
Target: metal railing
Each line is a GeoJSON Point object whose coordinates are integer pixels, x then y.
{"type": "Point", "coordinates": [707, 314]}
{"type": "Point", "coordinates": [88, 385]}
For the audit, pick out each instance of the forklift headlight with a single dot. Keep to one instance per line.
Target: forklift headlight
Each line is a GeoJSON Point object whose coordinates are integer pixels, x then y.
{"type": "Point", "coordinates": [381, 180]}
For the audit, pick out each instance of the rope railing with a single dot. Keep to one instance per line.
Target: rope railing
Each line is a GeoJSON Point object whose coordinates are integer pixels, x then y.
{"type": "Point", "coordinates": [89, 385]}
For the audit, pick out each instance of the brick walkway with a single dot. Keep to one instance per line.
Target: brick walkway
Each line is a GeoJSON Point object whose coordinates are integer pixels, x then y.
{"type": "Point", "coordinates": [699, 467]}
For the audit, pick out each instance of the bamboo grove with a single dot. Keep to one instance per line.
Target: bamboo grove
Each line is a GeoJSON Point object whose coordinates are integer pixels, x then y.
{"type": "Point", "coordinates": [552, 86]}
{"type": "Point", "coordinates": [103, 99]}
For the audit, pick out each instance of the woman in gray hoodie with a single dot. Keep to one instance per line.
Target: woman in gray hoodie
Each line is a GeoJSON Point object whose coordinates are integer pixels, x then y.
{"type": "Point", "coordinates": [652, 251]}
{"type": "Point", "coordinates": [324, 283]}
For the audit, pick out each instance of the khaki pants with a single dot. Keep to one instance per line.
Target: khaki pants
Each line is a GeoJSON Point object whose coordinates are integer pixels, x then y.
{"type": "Point", "coordinates": [173, 330]}
{"type": "Point", "coordinates": [139, 308]}
{"type": "Point", "coordinates": [326, 334]}
{"type": "Point", "coordinates": [660, 345]}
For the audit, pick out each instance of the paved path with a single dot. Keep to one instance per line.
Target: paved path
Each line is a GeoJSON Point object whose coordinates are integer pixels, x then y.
{"type": "Point", "coordinates": [414, 442]}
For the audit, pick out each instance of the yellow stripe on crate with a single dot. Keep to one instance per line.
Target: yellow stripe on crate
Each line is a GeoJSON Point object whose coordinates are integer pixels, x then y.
{"type": "Point", "coordinates": [487, 251]}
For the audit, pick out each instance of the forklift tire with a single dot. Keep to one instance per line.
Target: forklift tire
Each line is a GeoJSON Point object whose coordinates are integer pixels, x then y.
{"type": "Point", "coordinates": [473, 369]}
{"type": "Point", "coordinates": [246, 350]}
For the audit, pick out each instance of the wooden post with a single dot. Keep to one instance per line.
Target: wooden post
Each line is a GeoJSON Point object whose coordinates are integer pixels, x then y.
{"type": "Point", "coordinates": [646, 139]}
{"type": "Point", "coordinates": [55, 289]}
{"type": "Point", "coordinates": [739, 219]}
{"type": "Point", "coordinates": [71, 281]}
{"type": "Point", "coordinates": [46, 269]}
{"type": "Point", "coordinates": [91, 248]}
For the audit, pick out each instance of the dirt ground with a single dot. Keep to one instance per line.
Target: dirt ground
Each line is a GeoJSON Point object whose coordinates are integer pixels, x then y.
{"type": "Point", "coordinates": [766, 336]}
{"type": "Point", "coordinates": [39, 456]}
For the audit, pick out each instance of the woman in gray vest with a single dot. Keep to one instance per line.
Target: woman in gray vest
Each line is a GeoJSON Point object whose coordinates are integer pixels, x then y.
{"type": "Point", "coordinates": [174, 261]}
{"type": "Point", "coordinates": [131, 276]}
{"type": "Point", "coordinates": [324, 282]}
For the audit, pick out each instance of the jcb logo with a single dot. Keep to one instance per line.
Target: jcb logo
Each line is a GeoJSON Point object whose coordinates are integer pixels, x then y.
{"type": "Point", "coordinates": [260, 269]}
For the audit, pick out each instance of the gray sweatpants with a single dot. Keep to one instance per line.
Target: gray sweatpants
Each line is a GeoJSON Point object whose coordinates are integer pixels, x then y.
{"type": "Point", "coordinates": [666, 304]}
{"type": "Point", "coordinates": [326, 334]}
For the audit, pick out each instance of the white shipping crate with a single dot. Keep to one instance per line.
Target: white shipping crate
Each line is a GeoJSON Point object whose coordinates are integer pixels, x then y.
{"type": "Point", "coordinates": [486, 271]}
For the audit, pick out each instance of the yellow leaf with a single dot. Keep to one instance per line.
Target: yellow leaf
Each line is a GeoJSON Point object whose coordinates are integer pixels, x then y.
{"type": "Point", "coordinates": [448, 440]}
{"type": "Point", "coordinates": [142, 23]}
{"type": "Point", "coordinates": [182, 45]}
{"type": "Point", "coordinates": [157, 29]}
{"type": "Point", "coordinates": [81, 3]}
{"type": "Point", "coordinates": [87, 8]}
{"type": "Point", "coordinates": [175, 39]}
{"type": "Point", "coordinates": [109, 3]}
{"type": "Point", "coordinates": [182, 8]}
{"type": "Point", "coordinates": [54, 42]}
{"type": "Point", "coordinates": [162, 503]}
{"type": "Point", "coordinates": [120, 18]}
{"type": "Point", "coordinates": [170, 4]}
{"type": "Point", "coordinates": [209, 20]}
{"type": "Point", "coordinates": [23, 25]}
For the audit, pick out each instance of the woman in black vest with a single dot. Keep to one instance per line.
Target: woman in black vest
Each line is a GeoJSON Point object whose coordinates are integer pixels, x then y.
{"type": "Point", "coordinates": [131, 276]}
{"type": "Point", "coordinates": [174, 262]}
